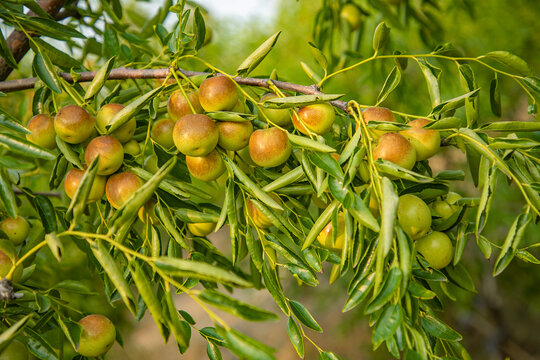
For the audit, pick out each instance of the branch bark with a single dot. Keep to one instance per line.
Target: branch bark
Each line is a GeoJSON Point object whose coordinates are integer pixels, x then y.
{"type": "Point", "coordinates": [18, 42]}
{"type": "Point", "coordinates": [128, 73]}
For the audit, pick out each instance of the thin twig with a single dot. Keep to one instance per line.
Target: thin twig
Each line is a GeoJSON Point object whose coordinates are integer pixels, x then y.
{"type": "Point", "coordinates": [128, 73]}
{"type": "Point", "coordinates": [56, 194]}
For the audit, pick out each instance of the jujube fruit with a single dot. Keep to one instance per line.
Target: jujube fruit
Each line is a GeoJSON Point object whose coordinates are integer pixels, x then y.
{"type": "Point", "coordinates": [146, 212]}
{"type": "Point", "coordinates": [195, 135]}
{"type": "Point", "coordinates": [132, 148]}
{"type": "Point", "coordinates": [178, 105]}
{"type": "Point", "coordinates": [97, 336]}
{"type": "Point", "coordinates": [120, 187]}
{"type": "Point", "coordinates": [73, 180]}
{"type": "Point", "coordinates": [218, 93]}
{"type": "Point", "coordinates": [110, 151]}
{"type": "Point", "coordinates": [317, 118]}
{"type": "Point", "coordinates": [436, 248]}
{"type": "Point", "coordinates": [234, 135]}
{"type": "Point", "coordinates": [206, 168]}
{"type": "Point", "coordinates": [201, 229]}
{"type": "Point", "coordinates": [269, 147]}
{"type": "Point", "coordinates": [257, 217]}
{"type": "Point", "coordinates": [325, 237]}
{"type": "Point", "coordinates": [447, 207]}
{"type": "Point", "coordinates": [426, 142]}
{"type": "Point", "coordinates": [42, 131]}
{"type": "Point", "coordinates": [16, 350]}
{"type": "Point", "coordinates": [16, 229]}
{"type": "Point", "coordinates": [280, 117]}
{"type": "Point", "coordinates": [8, 258]}
{"type": "Point", "coordinates": [73, 124]}
{"type": "Point", "coordinates": [105, 114]}
{"type": "Point", "coordinates": [381, 114]}
{"type": "Point", "coordinates": [395, 148]}
{"type": "Point", "coordinates": [414, 216]}
{"type": "Point", "coordinates": [352, 15]}
{"type": "Point", "coordinates": [162, 132]}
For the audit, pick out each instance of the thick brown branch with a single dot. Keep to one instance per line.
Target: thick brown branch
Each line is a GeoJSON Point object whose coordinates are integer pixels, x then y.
{"type": "Point", "coordinates": [18, 42]}
{"type": "Point", "coordinates": [127, 73]}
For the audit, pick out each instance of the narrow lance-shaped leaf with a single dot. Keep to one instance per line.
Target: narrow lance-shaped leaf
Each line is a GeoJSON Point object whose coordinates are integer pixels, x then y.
{"type": "Point", "coordinates": [309, 144]}
{"type": "Point", "coordinates": [390, 84]}
{"type": "Point", "coordinates": [80, 198]}
{"type": "Point", "coordinates": [296, 337]}
{"type": "Point", "coordinates": [511, 243]}
{"type": "Point", "coordinates": [495, 97]}
{"type": "Point", "coordinates": [391, 285]}
{"type": "Point", "coordinates": [130, 110]}
{"type": "Point", "coordinates": [387, 324]}
{"type": "Point", "coordinates": [7, 195]}
{"type": "Point", "coordinates": [300, 100]}
{"type": "Point", "coordinates": [431, 74]}
{"type": "Point", "coordinates": [56, 246]}
{"type": "Point", "coordinates": [180, 329]}
{"type": "Point", "coordinates": [11, 122]}
{"type": "Point", "coordinates": [439, 329]}
{"type": "Point", "coordinates": [454, 103]}
{"type": "Point", "coordinates": [6, 52]}
{"type": "Point", "coordinates": [10, 333]}
{"type": "Point", "coordinates": [25, 147]}
{"type": "Point", "coordinates": [321, 222]}
{"type": "Point", "coordinates": [246, 347]}
{"type": "Point", "coordinates": [199, 27]}
{"type": "Point", "coordinates": [304, 316]}
{"type": "Point", "coordinates": [380, 37]}
{"type": "Point", "coordinates": [255, 58]}
{"type": "Point", "coordinates": [46, 72]}
{"type": "Point", "coordinates": [236, 307]}
{"type": "Point", "coordinates": [512, 61]}
{"type": "Point", "coordinates": [100, 78]}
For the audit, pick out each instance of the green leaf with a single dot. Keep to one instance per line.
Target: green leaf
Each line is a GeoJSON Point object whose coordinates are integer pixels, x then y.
{"type": "Point", "coordinates": [6, 54]}
{"type": "Point", "coordinates": [359, 293]}
{"type": "Point", "coordinates": [273, 286]}
{"type": "Point", "coordinates": [321, 222]}
{"type": "Point", "coordinates": [319, 56]}
{"type": "Point", "coordinates": [390, 84]}
{"type": "Point", "coordinates": [390, 286]}
{"type": "Point", "coordinates": [11, 122]}
{"type": "Point", "coordinates": [290, 177]}
{"type": "Point", "coordinates": [439, 329]}
{"type": "Point", "coordinates": [511, 126]}
{"type": "Point", "coordinates": [230, 116]}
{"type": "Point", "coordinates": [46, 213]}
{"type": "Point", "coordinates": [387, 325]}
{"type": "Point", "coordinates": [309, 144]}
{"type": "Point", "coordinates": [431, 74]}
{"type": "Point", "coordinates": [327, 163]}
{"type": "Point", "coordinates": [170, 226]}
{"type": "Point", "coordinates": [236, 307]}
{"type": "Point", "coordinates": [50, 28]}
{"type": "Point", "coordinates": [300, 100]}
{"type": "Point", "coordinates": [454, 103]}
{"type": "Point", "coordinates": [111, 45]}
{"type": "Point", "coordinates": [45, 70]}
{"type": "Point", "coordinates": [99, 79]}
{"type": "Point", "coordinates": [296, 337]}
{"type": "Point", "coordinates": [56, 246]}
{"type": "Point", "coordinates": [199, 270]}
{"type": "Point", "coordinates": [420, 292]}
{"type": "Point", "coordinates": [80, 198]}
{"type": "Point", "coordinates": [193, 216]}
{"type": "Point", "coordinates": [9, 334]}
{"type": "Point", "coordinates": [388, 216]}
{"type": "Point", "coordinates": [512, 241]}
{"type": "Point", "coordinates": [71, 329]}
{"type": "Point", "coordinates": [512, 61]}
{"type": "Point", "coordinates": [130, 110]}
{"type": "Point", "coordinates": [303, 315]}
{"type": "Point", "coordinates": [363, 215]}
{"type": "Point", "coordinates": [213, 352]}
{"type": "Point", "coordinates": [380, 37]}
{"type": "Point", "coordinates": [461, 277]}
{"type": "Point", "coordinates": [328, 355]}
{"type": "Point", "coordinates": [533, 83]}
{"type": "Point", "coordinates": [7, 195]}
{"type": "Point", "coordinates": [495, 97]}
{"type": "Point", "coordinates": [447, 123]}
{"type": "Point", "coordinates": [58, 58]}
{"type": "Point", "coordinates": [25, 147]}
{"type": "Point", "coordinates": [255, 58]}
{"type": "Point", "coordinates": [39, 346]}
{"type": "Point", "coordinates": [199, 27]}
{"type": "Point", "coordinates": [246, 347]}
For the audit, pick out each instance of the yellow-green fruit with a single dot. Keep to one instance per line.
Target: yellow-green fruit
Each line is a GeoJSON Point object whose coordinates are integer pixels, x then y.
{"type": "Point", "coordinates": [73, 180]}
{"type": "Point", "coordinates": [125, 132]}
{"type": "Point", "coordinates": [178, 105]}
{"type": "Point", "coordinates": [73, 124]}
{"type": "Point", "coordinates": [234, 135]}
{"type": "Point", "coordinates": [42, 131]}
{"type": "Point", "coordinates": [97, 337]}
{"type": "Point", "coordinates": [16, 229]}
{"type": "Point", "coordinates": [426, 142]}
{"type": "Point", "coordinates": [195, 135]}
{"type": "Point", "coordinates": [326, 235]}
{"type": "Point", "coordinates": [240, 107]}
{"type": "Point", "coordinates": [218, 93]}
{"type": "Point", "coordinates": [352, 15]}
{"type": "Point", "coordinates": [414, 216]}
{"type": "Point", "coordinates": [16, 350]}
{"type": "Point", "coordinates": [132, 148]}
{"type": "Point", "coordinates": [279, 117]}
{"type": "Point", "coordinates": [162, 132]}
{"type": "Point", "coordinates": [151, 164]}
{"type": "Point", "coordinates": [447, 207]}
{"type": "Point", "coordinates": [110, 151]}
{"type": "Point", "coordinates": [206, 168]}
{"type": "Point", "coordinates": [257, 217]}
{"type": "Point", "coordinates": [8, 257]}
{"type": "Point", "coordinates": [120, 187]}
{"type": "Point", "coordinates": [395, 148]}
{"type": "Point", "coordinates": [269, 147]}
{"type": "Point", "coordinates": [146, 212]}
{"type": "Point", "coordinates": [317, 118]}
{"type": "Point", "coordinates": [201, 229]}
{"type": "Point", "coordinates": [436, 248]}
{"type": "Point", "coordinates": [378, 114]}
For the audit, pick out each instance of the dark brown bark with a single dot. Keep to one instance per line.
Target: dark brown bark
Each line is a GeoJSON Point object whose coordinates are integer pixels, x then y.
{"type": "Point", "coordinates": [18, 42]}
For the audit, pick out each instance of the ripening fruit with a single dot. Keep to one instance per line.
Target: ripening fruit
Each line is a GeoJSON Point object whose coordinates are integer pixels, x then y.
{"type": "Point", "coordinates": [352, 15]}
{"type": "Point", "coordinates": [8, 258]}
{"type": "Point", "coordinates": [436, 248]}
{"type": "Point", "coordinates": [147, 212]}
{"type": "Point", "coordinates": [178, 105]}
{"type": "Point", "coordinates": [73, 124]}
{"type": "Point", "coordinates": [257, 217]}
{"type": "Point", "coordinates": [317, 118]}
{"type": "Point", "coordinates": [326, 235]}
{"type": "Point", "coordinates": [234, 135]}
{"type": "Point", "coordinates": [218, 93]}
{"type": "Point", "coordinates": [201, 229]}
{"type": "Point", "coordinates": [414, 216]}
{"type": "Point", "coordinates": [151, 164]}
{"type": "Point", "coordinates": [120, 187]}
{"type": "Point", "coordinates": [426, 142]}
{"type": "Point", "coordinates": [395, 148]}
{"type": "Point", "coordinates": [206, 168]}
{"type": "Point", "coordinates": [269, 147]}
{"type": "Point", "coordinates": [378, 114]}
{"type": "Point", "coordinates": [162, 132]}
{"type": "Point", "coordinates": [16, 350]}
{"type": "Point", "coordinates": [97, 337]}
{"type": "Point", "coordinates": [42, 131]}
{"type": "Point", "coordinates": [73, 180]}
{"type": "Point", "coordinates": [280, 117]}
{"type": "Point", "coordinates": [16, 229]}
{"type": "Point", "coordinates": [132, 148]}
{"type": "Point", "coordinates": [195, 135]}
{"type": "Point", "coordinates": [125, 132]}
{"type": "Point", "coordinates": [110, 151]}
{"type": "Point", "coordinates": [447, 207]}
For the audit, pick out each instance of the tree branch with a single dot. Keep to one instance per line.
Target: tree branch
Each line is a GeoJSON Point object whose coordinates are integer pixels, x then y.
{"type": "Point", "coordinates": [127, 73]}
{"type": "Point", "coordinates": [18, 42]}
